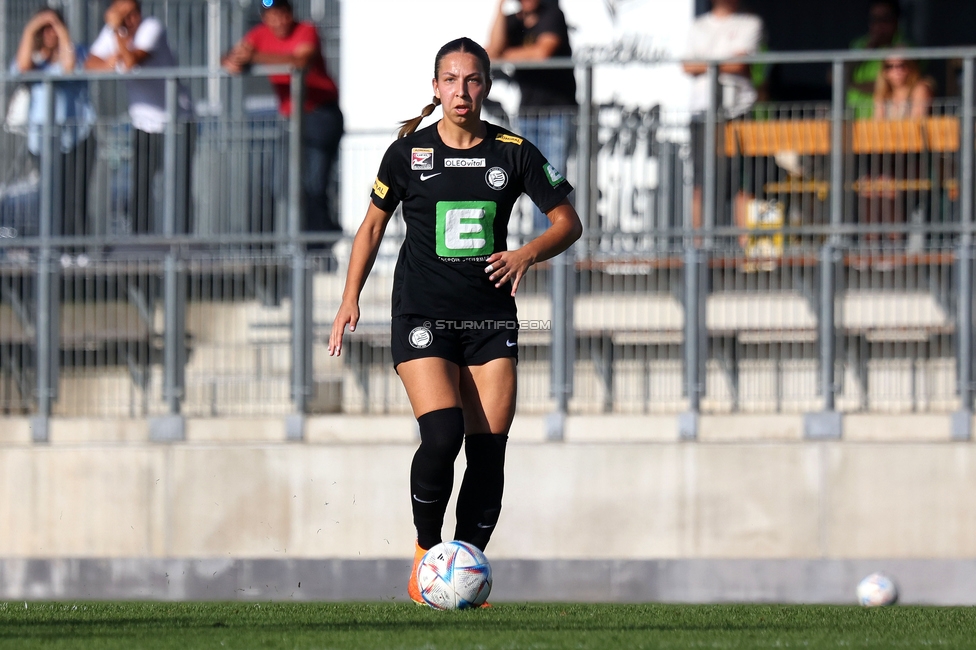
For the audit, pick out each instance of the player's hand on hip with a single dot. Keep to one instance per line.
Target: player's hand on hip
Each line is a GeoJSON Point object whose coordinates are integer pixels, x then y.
{"type": "Point", "coordinates": [508, 266]}
{"type": "Point", "coordinates": [348, 314]}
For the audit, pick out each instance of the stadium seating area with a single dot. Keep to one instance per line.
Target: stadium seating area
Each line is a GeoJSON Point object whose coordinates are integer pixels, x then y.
{"type": "Point", "coordinates": [895, 299]}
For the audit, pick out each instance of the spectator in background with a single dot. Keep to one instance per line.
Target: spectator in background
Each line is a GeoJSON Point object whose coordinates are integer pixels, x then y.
{"type": "Point", "coordinates": [46, 45]}
{"type": "Point", "coordinates": [883, 32]}
{"type": "Point", "coordinates": [281, 39]}
{"type": "Point", "coordinates": [724, 32]}
{"type": "Point", "coordinates": [548, 106]}
{"type": "Point", "coordinates": [901, 91]}
{"type": "Point", "coordinates": [884, 189]}
{"type": "Point", "coordinates": [129, 41]}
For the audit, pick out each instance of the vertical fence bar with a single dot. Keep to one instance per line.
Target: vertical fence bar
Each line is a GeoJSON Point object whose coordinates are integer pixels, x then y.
{"type": "Point", "coordinates": [709, 182]}
{"type": "Point", "coordinates": [962, 420]}
{"type": "Point", "coordinates": [562, 335]}
{"type": "Point", "coordinates": [688, 421]}
{"type": "Point", "coordinates": [4, 65]}
{"type": "Point", "coordinates": [827, 423]}
{"type": "Point", "coordinates": [584, 130]}
{"type": "Point", "coordinates": [169, 159]}
{"type": "Point", "coordinates": [837, 149]}
{"type": "Point", "coordinates": [171, 426]}
{"type": "Point", "coordinates": [300, 281]}
{"type": "Point", "coordinates": [173, 304]}
{"type": "Point", "coordinates": [827, 329]}
{"type": "Point", "coordinates": [563, 346]}
{"type": "Point", "coordinates": [214, 27]}
{"type": "Point", "coordinates": [46, 332]}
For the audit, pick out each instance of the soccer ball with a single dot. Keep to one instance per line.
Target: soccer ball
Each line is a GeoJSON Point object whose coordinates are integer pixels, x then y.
{"type": "Point", "coordinates": [454, 575]}
{"type": "Point", "coordinates": [877, 589]}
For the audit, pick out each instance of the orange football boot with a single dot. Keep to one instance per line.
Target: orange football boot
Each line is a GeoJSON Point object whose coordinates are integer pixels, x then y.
{"type": "Point", "coordinates": [413, 588]}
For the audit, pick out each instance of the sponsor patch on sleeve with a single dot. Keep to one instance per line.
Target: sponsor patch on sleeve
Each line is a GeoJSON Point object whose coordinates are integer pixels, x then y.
{"type": "Point", "coordinates": [421, 159]}
{"type": "Point", "coordinates": [504, 137]}
{"type": "Point", "coordinates": [555, 178]}
{"type": "Point", "coordinates": [380, 188]}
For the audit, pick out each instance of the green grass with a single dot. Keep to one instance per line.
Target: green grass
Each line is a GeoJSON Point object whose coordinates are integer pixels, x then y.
{"type": "Point", "coordinates": [276, 625]}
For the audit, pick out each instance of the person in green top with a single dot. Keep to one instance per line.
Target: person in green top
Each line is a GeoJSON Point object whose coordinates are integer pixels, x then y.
{"type": "Point", "coordinates": [883, 32]}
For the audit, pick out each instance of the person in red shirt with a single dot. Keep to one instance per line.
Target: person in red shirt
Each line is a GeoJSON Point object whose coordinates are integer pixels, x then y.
{"type": "Point", "coordinates": [281, 39]}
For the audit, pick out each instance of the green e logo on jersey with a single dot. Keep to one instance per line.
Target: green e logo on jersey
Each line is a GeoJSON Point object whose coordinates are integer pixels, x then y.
{"type": "Point", "coordinates": [465, 228]}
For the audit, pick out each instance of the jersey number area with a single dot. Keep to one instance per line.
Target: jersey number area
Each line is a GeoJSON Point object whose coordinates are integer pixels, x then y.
{"type": "Point", "coordinates": [465, 228]}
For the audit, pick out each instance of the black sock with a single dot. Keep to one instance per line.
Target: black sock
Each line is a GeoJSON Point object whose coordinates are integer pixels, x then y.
{"type": "Point", "coordinates": [432, 471]}
{"type": "Point", "coordinates": [480, 498]}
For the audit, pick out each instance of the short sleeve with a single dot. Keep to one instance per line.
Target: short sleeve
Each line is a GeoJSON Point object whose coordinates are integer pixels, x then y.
{"type": "Point", "coordinates": [552, 22]}
{"type": "Point", "coordinates": [544, 184]}
{"type": "Point", "coordinates": [514, 31]}
{"type": "Point", "coordinates": [694, 45]}
{"type": "Point", "coordinates": [307, 34]}
{"type": "Point", "coordinates": [388, 188]}
{"type": "Point", "coordinates": [105, 45]}
{"type": "Point", "coordinates": [148, 35]}
{"type": "Point", "coordinates": [254, 36]}
{"type": "Point", "coordinates": [752, 36]}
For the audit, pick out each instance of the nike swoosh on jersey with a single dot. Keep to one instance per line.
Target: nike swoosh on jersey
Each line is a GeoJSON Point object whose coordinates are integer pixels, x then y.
{"type": "Point", "coordinates": [510, 344]}
{"type": "Point", "coordinates": [424, 177]}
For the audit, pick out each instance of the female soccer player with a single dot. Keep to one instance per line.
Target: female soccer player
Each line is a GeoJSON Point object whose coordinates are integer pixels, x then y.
{"type": "Point", "coordinates": [454, 327]}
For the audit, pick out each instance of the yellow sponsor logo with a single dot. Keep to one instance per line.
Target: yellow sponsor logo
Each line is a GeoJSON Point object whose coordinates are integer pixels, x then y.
{"type": "Point", "coordinates": [380, 188]}
{"type": "Point", "coordinates": [504, 137]}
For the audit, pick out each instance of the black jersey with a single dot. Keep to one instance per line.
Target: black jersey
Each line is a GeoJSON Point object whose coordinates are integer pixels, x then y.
{"type": "Point", "coordinates": [456, 206]}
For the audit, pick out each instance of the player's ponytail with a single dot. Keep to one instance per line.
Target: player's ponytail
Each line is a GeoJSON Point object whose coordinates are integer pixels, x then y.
{"type": "Point", "coordinates": [463, 44]}
{"type": "Point", "coordinates": [409, 126]}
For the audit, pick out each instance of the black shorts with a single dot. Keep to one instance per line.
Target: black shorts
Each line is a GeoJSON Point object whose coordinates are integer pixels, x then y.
{"type": "Point", "coordinates": [464, 342]}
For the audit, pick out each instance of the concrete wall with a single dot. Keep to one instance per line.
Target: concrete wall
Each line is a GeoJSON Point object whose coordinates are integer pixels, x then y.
{"type": "Point", "coordinates": [619, 489]}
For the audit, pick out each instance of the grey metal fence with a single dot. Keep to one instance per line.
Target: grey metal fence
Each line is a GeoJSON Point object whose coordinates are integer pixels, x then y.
{"type": "Point", "coordinates": [824, 266]}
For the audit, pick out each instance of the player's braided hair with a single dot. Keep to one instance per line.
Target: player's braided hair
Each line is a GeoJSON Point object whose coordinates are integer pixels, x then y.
{"type": "Point", "coordinates": [464, 45]}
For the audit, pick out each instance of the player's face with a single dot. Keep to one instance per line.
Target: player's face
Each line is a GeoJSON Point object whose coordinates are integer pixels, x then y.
{"type": "Point", "coordinates": [462, 86]}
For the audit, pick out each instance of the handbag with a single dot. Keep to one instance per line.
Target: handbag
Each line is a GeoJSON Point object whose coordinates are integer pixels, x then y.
{"type": "Point", "coordinates": [18, 110]}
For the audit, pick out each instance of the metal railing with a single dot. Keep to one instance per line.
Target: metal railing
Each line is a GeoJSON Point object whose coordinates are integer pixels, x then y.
{"type": "Point", "coordinates": [801, 307]}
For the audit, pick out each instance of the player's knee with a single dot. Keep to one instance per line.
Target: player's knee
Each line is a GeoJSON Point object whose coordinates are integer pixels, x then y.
{"type": "Point", "coordinates": [442, 434]}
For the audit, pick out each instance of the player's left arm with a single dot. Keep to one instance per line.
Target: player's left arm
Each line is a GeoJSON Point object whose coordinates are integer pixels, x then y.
{"type": "Point", "coordinates": [510, 266]}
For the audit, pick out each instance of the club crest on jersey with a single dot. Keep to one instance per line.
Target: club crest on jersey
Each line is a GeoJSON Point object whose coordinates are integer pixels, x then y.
{"type": "Point", "coordinates": [496, 178]}
{"type": "Point", "coordinates": [464, 162]}
{"type": "Point", "coordinates": [421, 159]}
{"type": "Point", "coordinates": [555, 178]}
{"type": "Point", "coordinates": [421, 337]}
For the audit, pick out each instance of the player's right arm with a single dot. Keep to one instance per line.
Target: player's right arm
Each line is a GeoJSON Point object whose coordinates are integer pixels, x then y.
{"type": "Point", "coordinates": [364, 248]}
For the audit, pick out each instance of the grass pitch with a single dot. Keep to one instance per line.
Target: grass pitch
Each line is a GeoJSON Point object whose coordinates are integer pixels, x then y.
{"type": "Point", "coordinates": [184, 626]}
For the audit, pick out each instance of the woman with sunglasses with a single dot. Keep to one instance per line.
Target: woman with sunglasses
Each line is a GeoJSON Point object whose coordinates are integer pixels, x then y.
{"type": "Point", "coordinates": [901, 91]}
